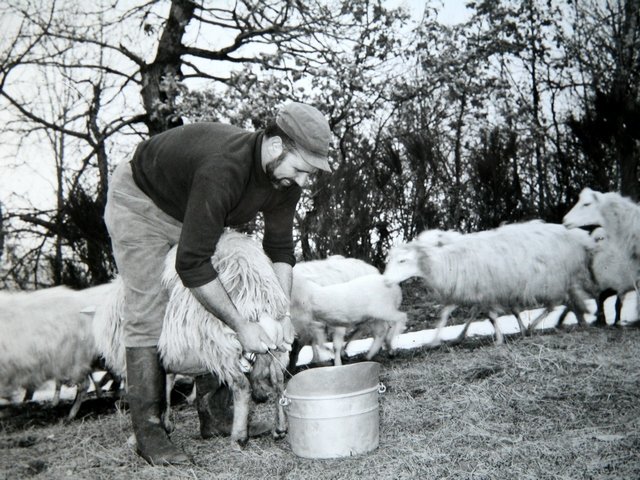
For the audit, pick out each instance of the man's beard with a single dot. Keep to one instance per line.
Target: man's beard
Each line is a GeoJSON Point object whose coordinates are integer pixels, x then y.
{"type": "Point", "coordinates": [270, 171]}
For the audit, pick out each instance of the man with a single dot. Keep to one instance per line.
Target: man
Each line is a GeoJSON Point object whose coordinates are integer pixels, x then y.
{"type": "Point", "coordinates": [183, 187]}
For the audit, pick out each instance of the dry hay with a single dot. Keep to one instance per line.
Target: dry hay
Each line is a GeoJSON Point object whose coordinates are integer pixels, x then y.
{"type": "Point", "coordinates": [546, 407]}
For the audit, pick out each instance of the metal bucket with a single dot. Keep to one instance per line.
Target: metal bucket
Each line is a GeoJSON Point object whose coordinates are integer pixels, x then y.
{"type": "Point", "coordinates": [333, 411]}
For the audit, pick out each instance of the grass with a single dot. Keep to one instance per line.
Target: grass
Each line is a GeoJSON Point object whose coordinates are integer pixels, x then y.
{"type": "Point", "coordinates": [556, 406]}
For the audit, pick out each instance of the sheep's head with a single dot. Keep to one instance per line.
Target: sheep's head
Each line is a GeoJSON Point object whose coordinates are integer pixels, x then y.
{"type": "Point", "coordinates": [586, 212]}
{"type": "Point", "coordinates": [402, 264]}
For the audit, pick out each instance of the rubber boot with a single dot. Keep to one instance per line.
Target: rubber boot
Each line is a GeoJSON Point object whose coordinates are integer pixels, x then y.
{"type": "Point", "coordinates": [146, 395]}
{"type": "Point", "coordinates": [214, 402]}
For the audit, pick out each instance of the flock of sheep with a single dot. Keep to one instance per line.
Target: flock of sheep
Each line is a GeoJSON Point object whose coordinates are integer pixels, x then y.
{"type": "Point", "coordinates": [53, 334]}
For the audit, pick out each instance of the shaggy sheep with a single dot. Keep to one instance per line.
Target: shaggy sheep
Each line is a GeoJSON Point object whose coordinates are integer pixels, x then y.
{"type": "Point", "coordinates": [311, 330]}
{"type": "Point", "coordinates": [616, 261]}
{"type": "Point", "coordinates": [506, 269]}
{"type": "Point", "coordinates": [45, 336]}
{"type": "Point", "coordinates": [193, 341]}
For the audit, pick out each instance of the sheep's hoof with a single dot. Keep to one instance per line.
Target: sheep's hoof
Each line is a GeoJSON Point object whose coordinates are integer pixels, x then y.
{"type": "Point", "coordinates": [168, 425]}
{"type": "Point", "coordinates": [279, 434]}
{"type": "Point", "coordinates": [240, 443]}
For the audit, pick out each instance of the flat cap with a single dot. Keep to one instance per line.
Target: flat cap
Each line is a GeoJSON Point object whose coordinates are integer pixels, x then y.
{"type": "Point", "coordinates": [306, 126]}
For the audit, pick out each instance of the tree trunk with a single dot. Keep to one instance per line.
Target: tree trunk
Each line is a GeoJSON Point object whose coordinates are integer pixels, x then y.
{"type": "Point", "coordinates": [159, 77]}
{"type": "Point", "coordinates": [625, 90]}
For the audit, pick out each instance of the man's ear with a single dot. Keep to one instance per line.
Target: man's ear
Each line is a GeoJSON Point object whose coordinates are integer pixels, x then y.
{"type": "Point", "coordinates": [275, 146]}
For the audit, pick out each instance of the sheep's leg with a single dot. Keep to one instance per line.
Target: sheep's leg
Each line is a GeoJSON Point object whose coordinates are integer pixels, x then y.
{"type": "Point", "coordinates": [521, 326]}
{"type": "Point", "coordinates": [536, 321]}
{"type": "Point", "coordinates": [493, 317]}
{"type": "Point", "coordinates": [394, 331]}
{"type": "Point", "coordinates": [241, 390]}
{"type": "Point", "coordinates": [351, 335]}
{"type": "Point", "coordinates": [618, 307]}
{"type": "Point", "coordinates": [28, 394]}
{"type": "Point", "coordinates": [563, 316]}
{"type": "Point", "coordinates": [81, 393]}
{"type": "Point", "coordinates": [318, 343]}
{"type": "Point", "coordinates": [577, 305]}
{"type": "Point", "coordinates": [601, 320]}
{"type": "Point", "coordinates": [97, 386]}
{"type": "Point", "coordinates": [277, 381]}
{"type": "Point", "coordinates": [338, 344]}
{"type": "Point", "coordinates": [444, 318]}
{"type": "Point", "coordinates": [463, 334]}
{"type": "Point", "coordinates": [380, 329]}
{"type": "Point", "coordinates": [165, 416]}
{"type": "Point", "coordinates": [296, 346]}
{"type": "Point", "coordinates": [56, 394]}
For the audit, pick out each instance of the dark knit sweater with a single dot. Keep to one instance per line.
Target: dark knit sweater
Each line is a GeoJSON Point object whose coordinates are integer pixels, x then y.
{"type": "Point", "coordinates": [209, 176]}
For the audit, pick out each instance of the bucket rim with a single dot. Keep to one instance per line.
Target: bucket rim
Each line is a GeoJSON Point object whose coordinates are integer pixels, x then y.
{"type": "Point", "coordinates": [331, 397]}
{"type": "Point", "coordinates": [334, 380]}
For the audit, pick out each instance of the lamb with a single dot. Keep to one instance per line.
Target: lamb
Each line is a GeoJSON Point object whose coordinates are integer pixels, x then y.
{"type": "Point", "coordinates": [311, 330]}
{"type": "Point", "coordinates": [512, 267]}
{"type": "Point", "coordinates": [45, 336]}
{"type": "Point", "coordinates": [193, 341]}
{"type": "Point", "coordinates": [620, 219]}
{"type": "Point", "coordinates": [350, 303]}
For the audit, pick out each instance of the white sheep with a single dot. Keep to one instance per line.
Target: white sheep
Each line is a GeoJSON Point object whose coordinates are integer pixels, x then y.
{"type": "Point", "coordinates": [45, 336]}
{"type": "Point", "coordinates": [193, 341]}
{"type": "Point", "coordinates": [333, 270]}
{"type": "Point", "coordinates": [617, 258]}
{"type": "Point", "coordinates": [612, 272]}
{"type": "Point", "coordinates": [437, 238]}
{"type": "Point", "coordinates": [345, 305]}
{"type": "Point", "coordinates": [506, 269]}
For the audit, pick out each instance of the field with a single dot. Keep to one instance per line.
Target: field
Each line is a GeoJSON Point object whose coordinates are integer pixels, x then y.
{"type": "Point", "coordinates": [559, 405]}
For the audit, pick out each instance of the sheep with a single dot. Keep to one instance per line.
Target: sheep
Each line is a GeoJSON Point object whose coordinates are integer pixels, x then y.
{"type": "Point", "coordinates": [512, 267]}
{"type": "Point", "coordinates": [193, 341]}
{"type": "Point", "coordinates": [613, 273]}
{"type": "Point", "coordinates": [616, 261]}
{"type": "Point", "coordinates": [309, 330]}
{"type": "Point", "coordinates": [347, 304]}
{"type": "Point", "coordinates": [437, 238]}
{"type": "Point", "coordinates": [45, 336]}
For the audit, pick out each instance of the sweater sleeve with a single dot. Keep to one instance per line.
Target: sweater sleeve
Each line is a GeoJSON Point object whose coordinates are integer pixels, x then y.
{"type": "Point", "coordinates": [212, 195]}
{"type": "Point", "coordinates": [278, 228]}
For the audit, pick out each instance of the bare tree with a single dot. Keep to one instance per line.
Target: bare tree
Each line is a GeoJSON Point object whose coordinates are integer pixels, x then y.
{"type": "Point", "coordinates": [103, 51]}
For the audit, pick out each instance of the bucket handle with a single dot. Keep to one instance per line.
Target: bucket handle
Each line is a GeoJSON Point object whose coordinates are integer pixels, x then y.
{"type": "Point", "coordinates": [286, 401]}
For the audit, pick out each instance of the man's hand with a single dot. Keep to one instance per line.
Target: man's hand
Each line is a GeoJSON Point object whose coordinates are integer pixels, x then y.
{"type": "Point", "coordinates": [253, 338]}
{"type": "Point", "coordinates": [288, 332]}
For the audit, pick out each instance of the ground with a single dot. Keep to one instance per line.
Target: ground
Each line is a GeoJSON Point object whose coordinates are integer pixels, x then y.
{"type": "Point", "coordinates": [559, 405]}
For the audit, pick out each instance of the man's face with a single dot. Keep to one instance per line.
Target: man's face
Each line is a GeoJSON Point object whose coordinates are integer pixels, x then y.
{"type": "Point", "coordinates": [288, 168]}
